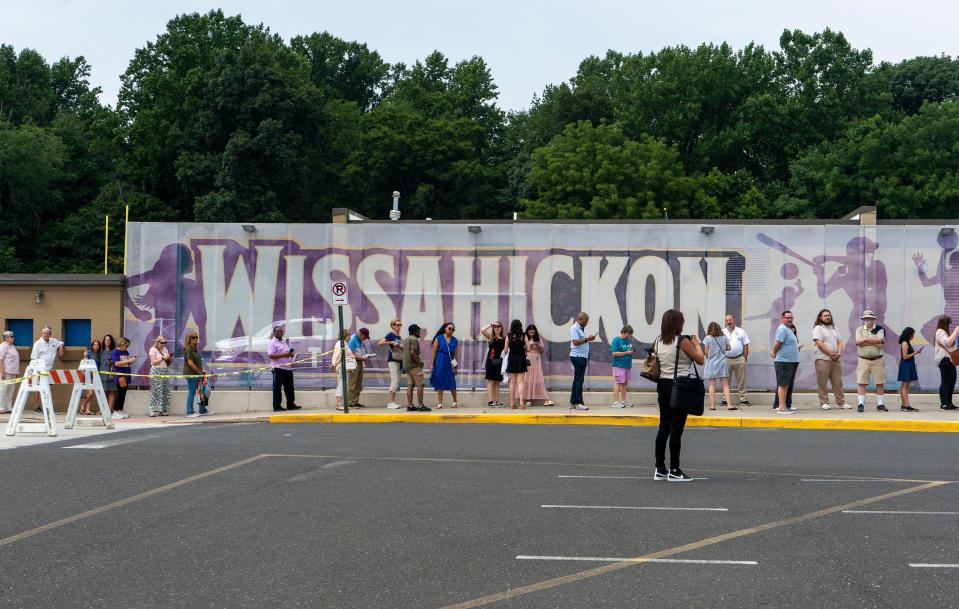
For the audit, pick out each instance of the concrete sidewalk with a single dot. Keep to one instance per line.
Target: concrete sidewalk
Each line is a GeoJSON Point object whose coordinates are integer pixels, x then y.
{"type": "Point", "coordinates": [928, 419]}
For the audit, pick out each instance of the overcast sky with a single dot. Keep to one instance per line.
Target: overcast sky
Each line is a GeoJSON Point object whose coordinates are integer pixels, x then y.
{"type": "Point", "coordinates": [527, 43]}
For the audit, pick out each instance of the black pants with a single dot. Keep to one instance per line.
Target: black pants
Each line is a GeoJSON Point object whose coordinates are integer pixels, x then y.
{"type": "Point", "coordinates": [122, 397]}
{"type": "Point", "coordinates": [579, 375]}
{"type": "Point", "coordinates": [947, 384]}
{"type": "Point", "coordinates": [282, 379]}
{"type": "Point", "coordinates": [671, 425]}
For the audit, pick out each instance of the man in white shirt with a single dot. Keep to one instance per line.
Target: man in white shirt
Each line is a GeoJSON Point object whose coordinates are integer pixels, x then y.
{"type": "Point", "coordinates": [48, 350]}
{"type": "Point", "coordinates": [736, 357]}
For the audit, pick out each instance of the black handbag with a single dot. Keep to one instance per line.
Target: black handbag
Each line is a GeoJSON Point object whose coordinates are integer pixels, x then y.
{"type": "Point", "coordinates": [689, 393]}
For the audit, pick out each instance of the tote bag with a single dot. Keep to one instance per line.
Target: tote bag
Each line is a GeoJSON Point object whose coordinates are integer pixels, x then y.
{"type": "Point", "coordinates": [689, 393]}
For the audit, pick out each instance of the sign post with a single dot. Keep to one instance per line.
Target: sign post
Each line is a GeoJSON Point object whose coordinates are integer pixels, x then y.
{"type": "Point", "coordinates": [338, 288]}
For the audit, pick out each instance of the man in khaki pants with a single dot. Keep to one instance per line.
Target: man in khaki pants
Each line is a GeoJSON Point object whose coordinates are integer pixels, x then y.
{"type": "Point", "coordinates": [869, 339]}
{"type": "Point", "coordinates": [736, 358]}
{"type": "Point", "coordinates": [828, 367]}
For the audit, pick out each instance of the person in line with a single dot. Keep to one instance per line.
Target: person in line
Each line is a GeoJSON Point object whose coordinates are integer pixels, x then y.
{"type": "Point", "coordinates": [109, 382]}
{"type": "Point", "coordinates": [9, 370]}
{"type": "Point", "coordinates": [907, 367]}
{"type": "Point", "coordinates": [715, 346]}
{"type": "Point", "coordinates": [737, 355]}
{"type": "Point", "coordinates": [829, 345]}
{"type": "Point", "coordinates": [280, 353]}
{"type": "Point", "coordinates": [46, 349]}
{"type": "Point", "coordinates": [535, 378]}
{"type": "Point", "coordinates": [358, 344]}
{"type": "Point", "coordinates": [193, 365]}
{"type": "Point", "coordinates": [676, 354]}
{"type": "Point", "coordinates": [413, 364]}
{"type": "Point", "coordinates": [945, 345]}
{"type": "Point", "coordinates": [91, 353]}
{"type": "Point", "coordinates": [516, 364]}
{"type": "Point", "coordinates": [338, 355]}
{"type": "Point", "coordinates": [443, 375]}
{"type": "Point", "coordinates": [789, 390]}
{"type": "Point", "coordinates": [121, 362]}
{"type": "Point", "coordinates": [785, 354]}
{"type": "Point", "coordinates": [869, 346]}
{"type": "Point", "coordinates": [622, 351]}
{"type": "Point", "coordinates": [579, 357]}
{"type": "Point", "coordinates": [493, 333]}
{"type": "Point", "coordinates": [394, 359]}
{"type": "Point", "coordinates": [160, 360]}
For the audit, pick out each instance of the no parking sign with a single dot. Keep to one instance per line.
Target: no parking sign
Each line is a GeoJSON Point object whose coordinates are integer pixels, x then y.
{"type": "Point", "coordinates": [338, 289]}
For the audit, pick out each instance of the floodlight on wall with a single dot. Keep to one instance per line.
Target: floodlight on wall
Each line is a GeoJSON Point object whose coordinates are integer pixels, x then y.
{"type": "Point", "coordinates": [395, 212]}
{"type": "Point", "coordinates": [707, 230]}
{"type": "Point", "coordinates": [249, 228]}
{"type": "Point", "coordinates": [947, 230]}
{"type": "Point", "coordinates": [474, 229]}
{"type": "Point", "coordinates": [38, 296]}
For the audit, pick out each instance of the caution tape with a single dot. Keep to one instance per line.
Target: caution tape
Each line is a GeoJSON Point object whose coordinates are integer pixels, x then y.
{"type": "Point", "coordinates": [231, 373]}
{"type": "Point", "coordinates": [22, 378]}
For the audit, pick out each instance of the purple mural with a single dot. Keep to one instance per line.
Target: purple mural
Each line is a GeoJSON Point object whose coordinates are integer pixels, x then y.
{"type": "Point", "coordinates": [233, 286]}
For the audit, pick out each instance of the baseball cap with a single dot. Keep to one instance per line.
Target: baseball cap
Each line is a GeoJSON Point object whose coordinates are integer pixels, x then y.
{"type": "Point", "coordinates": [413, 329]}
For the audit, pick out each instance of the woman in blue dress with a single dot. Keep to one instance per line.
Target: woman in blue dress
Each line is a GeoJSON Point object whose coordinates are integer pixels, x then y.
{"type": "Point", "coordinates": [907, 367]}
{"type": "Point", "coordinates": [443, 376]}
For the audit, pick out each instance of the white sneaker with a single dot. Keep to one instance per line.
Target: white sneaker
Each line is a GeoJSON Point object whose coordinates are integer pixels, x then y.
{"type": "Point", "coordinates": [619, 404]}
{"type": "Point", "coordinates": [847, 406]}
{"type": "Point", "coordinates": [193, 416]}
{"type": "Point", "coordinates": [579, 407]}
{"type": "Point", "coordinates": [825, 406]}
{"type": "Point", "coordinates": [627, 404]}
{"type": "Point", "coordinates": [393, 405]}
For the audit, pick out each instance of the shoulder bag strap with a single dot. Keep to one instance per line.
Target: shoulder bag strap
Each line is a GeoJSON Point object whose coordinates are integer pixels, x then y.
{"type": "Point", "coordinates": [679, 340]}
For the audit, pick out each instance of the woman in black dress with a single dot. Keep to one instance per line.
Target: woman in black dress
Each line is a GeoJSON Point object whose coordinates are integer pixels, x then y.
{"type": "Point", "coordinates": [516, 364]}
{"type": "Point", "coordinates": [494, 362]}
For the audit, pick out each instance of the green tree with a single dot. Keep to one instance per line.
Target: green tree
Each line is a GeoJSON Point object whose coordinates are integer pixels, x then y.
{"type": "Point", "coordinates": [916, 81]}
{"type": "Point", "coordinates": [908, 169]}
{"type": "Point", "coordinates": [592, 172]}
{"type": "Point", "coordinates": [344, 70]}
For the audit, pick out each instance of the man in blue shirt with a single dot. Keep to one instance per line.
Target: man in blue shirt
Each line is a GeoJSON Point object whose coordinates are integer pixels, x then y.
{"type": "Point", "coordinates": [785, 354]}
{"type": "Point", "coordinates": [579, 356]}
{"type": "Point", "coordinates": [355, 382]}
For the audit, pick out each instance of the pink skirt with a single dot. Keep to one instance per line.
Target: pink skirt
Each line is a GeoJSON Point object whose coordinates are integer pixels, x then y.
{"type": "Point", "coordinates": [535, 381]}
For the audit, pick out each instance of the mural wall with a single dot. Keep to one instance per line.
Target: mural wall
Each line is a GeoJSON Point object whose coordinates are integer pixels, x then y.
{"type": "Point", "coordinates": [233, 286]}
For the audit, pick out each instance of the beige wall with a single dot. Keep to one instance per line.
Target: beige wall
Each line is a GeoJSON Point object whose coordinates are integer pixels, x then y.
{"type": "Point", "coordinates": [100, 303]}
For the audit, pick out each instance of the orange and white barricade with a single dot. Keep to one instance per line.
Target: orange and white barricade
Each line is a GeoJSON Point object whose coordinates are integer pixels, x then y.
{"type": "Point", "coordinates": [87, 378]}
{"type": "Point", "coordinates": [36, 380]}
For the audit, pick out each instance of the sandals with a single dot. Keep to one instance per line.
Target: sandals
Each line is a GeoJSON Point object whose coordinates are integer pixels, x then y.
{"type": "Point", "coordinates": [732, 408]}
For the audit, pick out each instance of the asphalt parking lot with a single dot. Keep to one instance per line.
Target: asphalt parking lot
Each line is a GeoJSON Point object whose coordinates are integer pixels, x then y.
{"type": "Point", "coordinates": [304, 515]}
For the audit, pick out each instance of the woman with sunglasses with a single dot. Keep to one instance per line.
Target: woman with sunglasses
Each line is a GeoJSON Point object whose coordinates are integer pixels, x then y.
{"type": "Point", "coordinates": [443, 377]}
{"type": "Point", "coordinates": [160, 360]}
{"type": "Point", "coordinates": [92, 353]}
{"type": "Point", "coordinates": [494, 362]}
{"type": "Point", "coordinates": [394, 358]}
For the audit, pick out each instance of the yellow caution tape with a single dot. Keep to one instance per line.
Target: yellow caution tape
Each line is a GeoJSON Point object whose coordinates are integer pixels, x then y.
{"type": "Point", "coordinates": [232, 373]}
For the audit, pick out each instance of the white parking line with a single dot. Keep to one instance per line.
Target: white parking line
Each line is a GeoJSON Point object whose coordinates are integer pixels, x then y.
{"type": "Point", "coordinates": [897, 512]}
{"type": "Point", "coordinates": [661, 560]}
{"type": "Point", "coordinates": [618, 477]}
{"type": "Point", "coordinates": [919, 565]}
{"type": "Point", "coordinates": [849, 480]}
{"type": "Point", "coordinates": [633, 507]}
{"type": "Point", "coordinates": [118, 442]}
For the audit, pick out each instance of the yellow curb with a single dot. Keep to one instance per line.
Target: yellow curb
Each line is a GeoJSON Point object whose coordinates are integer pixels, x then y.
{"type": "Point", "coordinates": [621, 420]}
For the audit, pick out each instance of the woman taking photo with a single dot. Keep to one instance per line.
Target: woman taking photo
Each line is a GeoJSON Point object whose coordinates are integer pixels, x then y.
{"type": "Point", "coordinates": [160, 360]}
{"type": "Point", "coordinates": [443, 376]}
{"type": "Point", "coordinates": [516, 364]}
{"type": "Point", "coordinates": [676, 353]}
{"type": "Point", "coordinates": [907, 367]}
{"type": "Point", "coordinates": [945, 345]}
{"type": "Point", "coordinates": [494, 362]}
{"type": "Point", "coordinates": [535, 379]}
{"type": "Point", "coordinates": [193, 365]}
{"type": "Point", "coordinates": [121, 362]}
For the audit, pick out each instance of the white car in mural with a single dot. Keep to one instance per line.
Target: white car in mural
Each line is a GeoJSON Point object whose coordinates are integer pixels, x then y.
{"type": "Point", "coordinates": [252, 348]}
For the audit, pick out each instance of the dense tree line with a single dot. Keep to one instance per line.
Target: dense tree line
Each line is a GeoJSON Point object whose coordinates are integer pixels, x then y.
{"type": "Point", "coordinates": [219, 120]}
